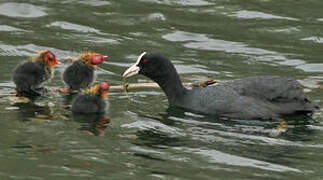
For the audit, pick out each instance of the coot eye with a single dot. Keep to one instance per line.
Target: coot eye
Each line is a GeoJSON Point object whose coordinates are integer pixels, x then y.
{"type": "Point", "coordinates": [145, 60]}
{"type": "Point", "coordinates": [50, 57]}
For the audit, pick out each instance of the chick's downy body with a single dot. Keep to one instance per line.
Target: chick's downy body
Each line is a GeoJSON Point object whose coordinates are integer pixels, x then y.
{"type": "Point", "coordinates": [81, 74]}
{"type": "Point", "coordinates": [92, 101]}
{"type": "Point", "coordinates": [30, 75]}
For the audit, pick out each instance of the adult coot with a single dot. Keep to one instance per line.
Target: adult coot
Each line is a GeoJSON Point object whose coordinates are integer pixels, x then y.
{"type": "Point", "coordinates": [81, 73]}
{"type": "Point", "coordinates": [264, 97]}
{"type": "Point", "coordinates": [30, 75]}
{"type": "Point", "coordinates": [92, 100]}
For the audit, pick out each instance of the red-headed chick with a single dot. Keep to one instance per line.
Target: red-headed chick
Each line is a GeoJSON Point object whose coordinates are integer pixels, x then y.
{"type": "Point", "coordinates": [92, 100]}
{"type": "Point", "coordinates": [81, 74]}
{"type": "Point", "coordinates": [30, 75]}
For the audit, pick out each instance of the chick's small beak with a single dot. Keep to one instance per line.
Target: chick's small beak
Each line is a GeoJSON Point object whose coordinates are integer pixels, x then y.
{"type": "Point", "coordinates": [98, 59]}
{"type": "Point", "coordinates": [133, 70]}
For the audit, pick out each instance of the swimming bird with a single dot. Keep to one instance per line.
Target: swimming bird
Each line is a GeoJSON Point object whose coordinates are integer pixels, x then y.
{"type": "Point", "coordinates": [30, 75]}
{"type": "Point", "coordinates": [81, 73]}
{"type": "Point", "coordinates": [92, 100]}
{"type": "Point", "coordinates": [260, 97]}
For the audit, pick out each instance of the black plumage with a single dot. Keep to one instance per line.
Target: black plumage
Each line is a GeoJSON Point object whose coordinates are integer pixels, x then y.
{"type": "Point", "coordinates": [81, 74]}
{"type": "Point", "coordinates": [30, 75]}
{"type": "Point", "coordinates": [91, 101]}
{"type": "Point", "coordinates": [264, 97]}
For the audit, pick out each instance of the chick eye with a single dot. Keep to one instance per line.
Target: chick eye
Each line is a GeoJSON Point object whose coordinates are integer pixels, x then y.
{"type": "Point", "coordinates": [50, 58]}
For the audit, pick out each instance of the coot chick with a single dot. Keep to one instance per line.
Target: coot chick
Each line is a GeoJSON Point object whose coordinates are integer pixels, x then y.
{"type": "Point", "coordinates": [263, 97]}
{"type": "Point", "coordinates": [30, 75]}
{"type": "Point", "coordinates": [92, 100]}
{"type": "Point", "coordinates": [81, 73]}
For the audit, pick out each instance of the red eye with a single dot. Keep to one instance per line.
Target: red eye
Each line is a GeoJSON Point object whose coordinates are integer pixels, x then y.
{"type": "Point", "coordinates": [50, 56]}
{"type": "Point", "coordinates": [145, 60]}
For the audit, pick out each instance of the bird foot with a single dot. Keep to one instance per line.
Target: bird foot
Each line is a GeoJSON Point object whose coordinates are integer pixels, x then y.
{"type": "Point", "coordinates": [63, 90]}
{"type": "Point", "coordinates": [205, 83]}
{"type": "Point", "coordinates": [125, 86]}
{"type": "Point", "coordinates": [69, 59]}
{"type": "Point", "coordinates": [67, 91]}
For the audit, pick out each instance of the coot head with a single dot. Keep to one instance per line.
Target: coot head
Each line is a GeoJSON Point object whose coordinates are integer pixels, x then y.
{"type": "Point", "coordinates": [45, 57]}
{"type": "Point", "coordinates": [92, 59]}
{"type": "Point", "coordinates": [152, 65]}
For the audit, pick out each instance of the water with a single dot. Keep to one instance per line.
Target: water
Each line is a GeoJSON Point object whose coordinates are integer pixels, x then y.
{"type": "Point", "coordinates": [219, 39]}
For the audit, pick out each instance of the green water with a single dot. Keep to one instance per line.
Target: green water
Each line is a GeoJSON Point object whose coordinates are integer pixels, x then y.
{"type": "Point", "coordinates": [221, 39]}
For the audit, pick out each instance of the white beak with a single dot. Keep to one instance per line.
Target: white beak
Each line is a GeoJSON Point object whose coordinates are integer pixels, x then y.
{"type": "Point", "coordinates": [134, 69]}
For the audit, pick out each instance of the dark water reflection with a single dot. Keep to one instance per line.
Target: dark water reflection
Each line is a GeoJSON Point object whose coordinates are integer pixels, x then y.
{"type": "Point", "coordinates": [139, 137]}
{"type": "Point", "coordinates": [93, 124]}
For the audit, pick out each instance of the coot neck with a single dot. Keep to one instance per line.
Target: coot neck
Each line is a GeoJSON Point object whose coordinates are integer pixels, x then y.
{"type": "Point", "coordinates": [171, 84]}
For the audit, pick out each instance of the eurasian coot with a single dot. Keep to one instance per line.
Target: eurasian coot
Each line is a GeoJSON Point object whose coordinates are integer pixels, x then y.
{"type": "Point", "coordinates": [263, 97]}
{"type": "Point", "coordinates": [91, 101]}
{"type": "Point", "coordinates": [30, 75]}
{"type": "Point", "coordinates": [81, 73]}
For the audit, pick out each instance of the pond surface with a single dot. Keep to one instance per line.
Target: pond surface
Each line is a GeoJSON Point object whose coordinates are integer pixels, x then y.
{"type": "Point", "coordinates": [221, 39]}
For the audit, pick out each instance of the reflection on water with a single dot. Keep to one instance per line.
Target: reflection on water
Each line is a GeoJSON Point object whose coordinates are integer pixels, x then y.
{"type": "Point", "coordinates": [23, 10]}
{"type": "Point", "coordinates": [180, 2]}
{"type": "Point", "coordinates": [9, 28]}
{"type": "Point", "coordinates": [314, 39]}
{"type": "Point", "coordinates": [93, 124]}
{"type": "Point", "coordinates": [314, 67]}
{"type": "Point", "coordinates": [258, 15]}
{"type": "Point", "coordinates": [75, 27]}
{"type": "Point", "coordinates": [31, 111]}
{"type": "Point", "coordinates": [223, 158]}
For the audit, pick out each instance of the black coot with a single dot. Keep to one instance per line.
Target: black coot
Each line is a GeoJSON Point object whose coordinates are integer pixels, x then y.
{"type": "Point", "coordinates": [81, 73]}
{"type": "Point", "coordinates": [91, 101]}
{"type": "Point", "coordinates": [264, 97]}
{"type": "Point", "coordinates": [30, 75]}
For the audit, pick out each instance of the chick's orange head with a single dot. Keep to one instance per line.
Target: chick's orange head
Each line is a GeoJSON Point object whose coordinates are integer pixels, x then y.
{"type": "Point", "coordinates": [50, 58]}
{"type": "Point", "coordinates": [104, 86]}
{"type": "Point", "coordinates": [92, 59]}
{"type": "Point", "coordinates": [101, 88]}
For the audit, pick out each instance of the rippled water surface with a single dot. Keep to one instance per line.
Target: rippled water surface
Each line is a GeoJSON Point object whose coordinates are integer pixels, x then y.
{"type": "Point", "coordinates": [143, 139]}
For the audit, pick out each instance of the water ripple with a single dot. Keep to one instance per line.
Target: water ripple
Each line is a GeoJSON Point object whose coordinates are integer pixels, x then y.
{"type": "Point", "coordinates": [315, 39]}
{"type": "Point", "coordinates": [74, 27]}
{"type": "Point", "coordinates": [180, 2]}
{"type": "Point", "coordinates": [30, 49]}
{"type": "Point", "coordinates": [143, 150]}
{"type": "Point", "coordinates": [312, 67]}
{"type": "Point", "coordinates": [244, 14]}
{"type": "Point", "coordinates": [229, 159]}
{"type": "Point", "coordinates": [154, 125]}
{"type": "Point", "coordinates": [203, 42]}
{"type": "Point", "coordinates": [9, 28]}
{"type": "Point", "coordinates": [22, 10]}
{"type": "Point", "coordinates": [95, 3]}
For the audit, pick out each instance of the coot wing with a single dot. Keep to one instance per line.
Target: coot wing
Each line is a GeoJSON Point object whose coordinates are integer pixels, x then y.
{"type": "Point", "coordinates": [271, 88]}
